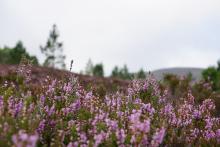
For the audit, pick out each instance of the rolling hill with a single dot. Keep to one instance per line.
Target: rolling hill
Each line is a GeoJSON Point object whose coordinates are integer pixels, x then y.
{"type": "Point", "coordinates": [196, 72]}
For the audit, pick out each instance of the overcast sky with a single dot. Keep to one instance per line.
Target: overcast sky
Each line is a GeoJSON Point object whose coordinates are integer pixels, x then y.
{"type": "Point", "coordinates": [151, 34]}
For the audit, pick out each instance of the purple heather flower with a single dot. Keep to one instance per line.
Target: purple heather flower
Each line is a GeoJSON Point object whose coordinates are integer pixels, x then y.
{"type": "Point", "coordinates": [113, 125]}
{"type": "Point", "coordinates": [88, 95]}
{"type": "Point", "coordinates": [133, 139]}
{"type": "Point", "coordinates": [1, 104]}
{"type": "Point", "coordinates": [50, 110]}
{"type": "Point", "coordinates": [52, 123]}
{"type": "Point", "coordinates": [33, 140]}
{"type": "Point", "coordinates": [163, 98]}
{"type": "Point", "coordinates": [135, 116]}
{"type": "Point", "coordinates": [83, 138]}
{"type": "Point", "coordinates": [99, 138]}
{"type": "Point", "coordinates": [209, 123]}
{"type": "Point", "coordinates": [168, 109]}
{"type": "Point", "coordinates": [119, 113]}
{"type": "Point", "coordinates": [158, 137]}
{"type": "Point", "coordinates": [23, 139]}
{"type": "Point", "coordinates": [17, 108]}
{"type": "Point", "coordinates": [209, 134]}
{"type": "Point", "coordinates": [1, 100]}
{"type": "Point", "coordinates": [51, 87]}
{"type": "Point", "coordinates": [197, 114]}
{"type": "Point", "coordinates": [75, 106]}
{"type": "Point", "coordinates": [194, 134]}
{"type": "Point", "coordinates": [66, 110]}
{"type": "Point", "coordinates": [73, 144]}
{"type": "Point", "coordinates": [107, 101]}
{"type": "Point", "coordinates": [42, 99]}
{"type": "Point", "coordinates": [6, 127]}
{"type": "Point", "coordinates": [191, 98]}
{"type": "Point", "coordinates": [41, 126]}
{"type": "Point", "coordinates": [120, 134]}
{"type": "Point", "coordinates": [31, 108]}
{"type": "Point", "coordinates": [208, 104]}
{"type": "Point", "coordinates": [207, 86]}
{"type": "Point", "coordinates": [67, 87]}
{"type": "Point", "coordinates": [145, 126]}
{"type": "Point", "coordinates": [140, 126]}
{"type": "Point", "coordinates": [137, 101]}
{"type": "Point", "coordinates": [218, 135]}
{"type": "Point", "coordinates": [24, 70]}
{"type": "Point", "coordinates": [144, 141]}
{"type": "Point", "coordinates": [149, 108]}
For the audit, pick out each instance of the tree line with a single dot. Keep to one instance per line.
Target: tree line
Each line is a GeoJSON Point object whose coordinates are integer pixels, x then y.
{"type": "Point", "coordinates": [117, 72]}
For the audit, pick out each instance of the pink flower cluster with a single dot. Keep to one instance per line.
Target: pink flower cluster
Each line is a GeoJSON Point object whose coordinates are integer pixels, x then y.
{"type": "Point", "coordinates": [62, 113]}
{"type": "Point", "coordinates": [23, 139]}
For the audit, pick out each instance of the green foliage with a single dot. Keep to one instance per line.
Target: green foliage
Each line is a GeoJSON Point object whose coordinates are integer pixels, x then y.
{"type": "Point", "coordinates": [115, 72]}
{"type": "Point", "coordinates": [141, 74]}
{"type": "Point", "coordinates": [172, 81]}
{"type": "Point", "coordinates": [101, 127]}
{"type": "Point", "coordinates": [94, 70]}
{"type": "Point", "coordinates": [123, 73]}
{"type": "Point", "coordinates": [179, 87]}
{"type": "Point", "coordinates": [53, 50]}
{"type": "Point", "coordinates": [212, 74]}
{"type": "Point", "coordinates": [98, 70]}
{"type": "Point", "coordinates": [84, 114]}
{"type": "Point", "coordinates": [74, 132]}
{"type": "Point", "coordinates": [218, 68]}
{"type": "Point", "coordinates": [14, 55]}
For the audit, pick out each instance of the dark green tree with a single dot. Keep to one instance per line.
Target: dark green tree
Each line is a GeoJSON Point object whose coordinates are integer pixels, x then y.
{"type": "Point", "coordinates": [212, 74]}
{"type": "Point", "coordinates": [98, 70]}
{"type": "Point", "coordinates": [5, 55]}
{"type": "Point", "coordinates": [124, 73]}
{"type": "Point", "coordinates": [218, 67]}
{"type": "Point", "coordinates": [14, 55]}
{"type": "Point", "coordinates": [141, 74]}
{"type": "Point", "coordinates": [17, 53]}
{"type": "Point", "coordinates": [53, 50]}
{"type": "Point", "coordinates": [115, 72]}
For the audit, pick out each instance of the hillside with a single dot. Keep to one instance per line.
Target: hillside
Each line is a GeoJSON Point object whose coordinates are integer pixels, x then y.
{"type": "Point", "coordinates": [110, 84]}
{"type": "Point", "coordinates": [37, 73]}
{"type": "Point", "coordinates": [196, 72]}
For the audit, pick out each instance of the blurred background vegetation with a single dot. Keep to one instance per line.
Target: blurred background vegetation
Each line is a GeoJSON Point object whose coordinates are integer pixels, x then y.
{"type": "Point", "coordinates": [13, 55]}
{"type": "Point", "coordinates": [207, 87]}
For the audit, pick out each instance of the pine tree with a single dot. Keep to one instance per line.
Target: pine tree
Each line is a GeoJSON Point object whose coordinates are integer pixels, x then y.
{"type": "Point", "coordinates": [53, 50]}
{"type": "Point", "coordinates": [89, 68]}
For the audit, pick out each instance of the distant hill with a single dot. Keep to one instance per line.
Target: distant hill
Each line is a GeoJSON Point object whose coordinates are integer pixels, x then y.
{"type": "Point", "coordinates": [196, 72]}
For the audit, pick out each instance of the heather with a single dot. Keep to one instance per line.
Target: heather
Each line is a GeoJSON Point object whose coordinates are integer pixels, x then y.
{"type": "Point", "coordinates": [64, 113]}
